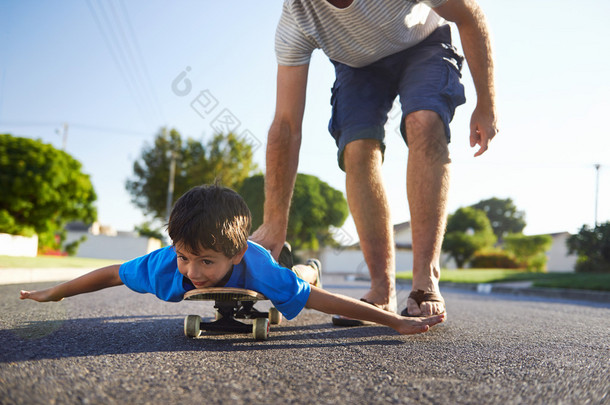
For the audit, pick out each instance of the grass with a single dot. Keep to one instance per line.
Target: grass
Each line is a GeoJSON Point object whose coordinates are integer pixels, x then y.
{"type": "Point", "coordinates": [583, 281]}
{"type": "Point", "coordinates": [54, 262]}
{"type": "Point", "coordinates": [579, 281]}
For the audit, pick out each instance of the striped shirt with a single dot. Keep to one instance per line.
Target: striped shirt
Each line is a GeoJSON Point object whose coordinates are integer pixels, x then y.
{"type": "Point", "coordinates": [358, 35]}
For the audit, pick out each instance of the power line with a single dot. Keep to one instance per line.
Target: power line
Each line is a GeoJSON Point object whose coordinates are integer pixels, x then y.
{"type": "Point", "coordinates": [135, 64]}
{"type": "Point", "coordinates": [133, 77]}
{"type": "Point", "coordinates": [526, 165]}
{"type": "Point", "coordinates": [86, 127]}
{"type": "Point", "coordinates": [140, 58]}
{"type": "Point", "coordinates": [118, 55]}
{"type": "Point", "coordinates": [114, 57]}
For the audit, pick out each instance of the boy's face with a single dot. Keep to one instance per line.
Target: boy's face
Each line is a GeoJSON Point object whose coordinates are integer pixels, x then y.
{"type": "Point", "coordinates": [205, 268]}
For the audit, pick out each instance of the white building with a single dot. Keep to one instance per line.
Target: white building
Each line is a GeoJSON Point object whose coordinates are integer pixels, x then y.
{"type": "Point", "coordinates": [106, 243]}
{"type": "Point", "coordinates": [349, 259]}
{"type": "Point", "coordinates": [558, 258]}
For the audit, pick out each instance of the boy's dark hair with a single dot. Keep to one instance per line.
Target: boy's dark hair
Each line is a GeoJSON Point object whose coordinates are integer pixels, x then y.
{"type": "Point", "coordinates": [210, 217]}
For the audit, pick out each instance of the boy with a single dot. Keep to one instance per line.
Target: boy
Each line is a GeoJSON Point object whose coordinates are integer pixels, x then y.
{"type": "Point", "coordinates": [209, 227]}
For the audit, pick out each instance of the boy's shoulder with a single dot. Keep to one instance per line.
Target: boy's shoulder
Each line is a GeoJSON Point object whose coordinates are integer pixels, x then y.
{"type": "Point", "coordinates": [254, 247]}
{"type": "Point", "coordinates": [258, 252]}
{"type": "Point", "coordinates": [167, 251]}
{"type": "Point", "coordinates": [153, 259]}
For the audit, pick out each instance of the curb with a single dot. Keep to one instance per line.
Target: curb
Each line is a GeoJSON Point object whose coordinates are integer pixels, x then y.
{"type": "Point", "coordinates": [556, 293]}
{"type": "Point", "coordinates": [525, 289]}
{"type": "Point", "coordinates": [36, 275]}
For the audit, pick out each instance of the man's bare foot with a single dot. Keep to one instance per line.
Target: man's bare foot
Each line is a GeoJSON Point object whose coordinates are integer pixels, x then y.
{"type": "Point", "coordinates": [424, 303]}
{"type": "Point", "coordinates": [383, 300]}
{"type": "Point", "coordinates": [374, 298]}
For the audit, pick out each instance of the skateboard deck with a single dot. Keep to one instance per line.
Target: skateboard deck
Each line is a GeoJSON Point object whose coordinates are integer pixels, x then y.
{"type": "Point", "coordinates": [231, 304]}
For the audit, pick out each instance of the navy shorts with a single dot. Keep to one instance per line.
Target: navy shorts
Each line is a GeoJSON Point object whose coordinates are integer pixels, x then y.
{"type": "Point", "coordinates": [425, 77]}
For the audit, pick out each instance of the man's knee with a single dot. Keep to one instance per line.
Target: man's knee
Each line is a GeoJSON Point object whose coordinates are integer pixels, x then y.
{"type": "Point", "coordinates": [362, 152]}
{"type": "Point", "coordinates": [425, 134]}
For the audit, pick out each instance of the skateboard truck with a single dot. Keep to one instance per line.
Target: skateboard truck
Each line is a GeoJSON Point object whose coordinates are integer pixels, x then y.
{"type": "Point", "coordinates": [231, 304]}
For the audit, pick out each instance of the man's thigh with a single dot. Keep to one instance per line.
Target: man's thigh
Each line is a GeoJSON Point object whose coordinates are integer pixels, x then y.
{"type": "Point", "coordinates": [431, 79]}
{"type": "Point", "coordinates": [361, 99]}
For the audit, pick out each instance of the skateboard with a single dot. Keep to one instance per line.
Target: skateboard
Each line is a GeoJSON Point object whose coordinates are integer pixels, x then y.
{"type": "Point", "coordinates": [231, 304]}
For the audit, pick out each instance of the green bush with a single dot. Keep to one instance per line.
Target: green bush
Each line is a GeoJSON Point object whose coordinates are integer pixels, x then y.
{"type": "Point", "coordinates": [72, 248]}
{"type": "Point", "coordinates": [593, 249]}
{"type": "Point", "coordinates": [529, 251]}
{"type": "Point", "coordinates": [41, 190]}
{"type": "Point", "coordinates": [497, 259]}
{"type": "Point", "coordinates": [468, 231]}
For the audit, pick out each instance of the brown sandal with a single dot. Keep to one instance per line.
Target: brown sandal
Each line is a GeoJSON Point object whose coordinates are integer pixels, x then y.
{"type": "Point", "coordinates": [420, 296]}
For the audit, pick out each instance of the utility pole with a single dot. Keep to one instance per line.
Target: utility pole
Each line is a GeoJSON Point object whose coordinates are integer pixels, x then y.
{"type": "Point", "coordinates": [64, 136]}
{"type": "Point", "coordinates": [170, 184]}
{"type": "Point", "coordinates": [64, 141]}
{"type": "Point", "coordinates": [597, 166]}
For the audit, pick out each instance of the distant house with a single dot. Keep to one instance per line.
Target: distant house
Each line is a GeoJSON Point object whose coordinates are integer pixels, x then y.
{"type": "Point", "coordinates": [558, 258]}
{"type": "Point", "coordinates": [349, 259]}
{"type": "Point", "coordinates": [103, 242]}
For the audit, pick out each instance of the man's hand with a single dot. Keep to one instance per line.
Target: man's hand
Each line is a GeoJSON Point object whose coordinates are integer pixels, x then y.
{"type": "Point", "coordinates": [474, 33]}
{"type": "Point", "coordinates": [483, 128]}
{"type": "Point", "coordinates": [270, 238]}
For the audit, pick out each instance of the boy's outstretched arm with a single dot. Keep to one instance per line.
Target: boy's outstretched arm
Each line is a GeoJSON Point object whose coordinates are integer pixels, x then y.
{"type": "Point", "coordinates": [93, 281]}
{"type": "Point", "coordinates": [330, 303]}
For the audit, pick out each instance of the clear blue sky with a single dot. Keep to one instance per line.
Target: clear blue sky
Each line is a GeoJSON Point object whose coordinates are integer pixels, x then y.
{"type": "Point", "coordinates": [106, 69]}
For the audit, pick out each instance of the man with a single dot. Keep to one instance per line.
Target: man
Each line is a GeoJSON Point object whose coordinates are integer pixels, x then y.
{"type": "Point", "coordinates": [381, 49]}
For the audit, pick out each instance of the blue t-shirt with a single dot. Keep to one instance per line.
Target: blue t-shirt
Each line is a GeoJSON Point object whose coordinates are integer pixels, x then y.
{"type": "Point", "coordinates": [157, 273]}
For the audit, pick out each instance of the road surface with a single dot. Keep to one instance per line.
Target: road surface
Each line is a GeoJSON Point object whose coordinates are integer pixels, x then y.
{"type": "Point", "coordinates": [118, 347]}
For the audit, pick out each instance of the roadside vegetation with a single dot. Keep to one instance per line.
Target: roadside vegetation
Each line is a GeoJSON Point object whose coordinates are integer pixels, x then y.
{"type": "Point", "coordinates": [486, 242]}
{"type": "Point", "coordinates": [581, 281]}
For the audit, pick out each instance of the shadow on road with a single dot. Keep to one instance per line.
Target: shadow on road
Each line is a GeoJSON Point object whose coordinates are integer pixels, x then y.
{"type": "Point", "coordinates": [32, 340]}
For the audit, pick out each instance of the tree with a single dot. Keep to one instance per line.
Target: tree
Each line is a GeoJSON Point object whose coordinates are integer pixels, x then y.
{"type": "Point", "coordinates": [224, 158]}
{"type": "Point", "coordinates": [592, 247]}
{"type": "Point", "coordinates": [503, 216]}
{"type": "Point", "coordinates": [315, 206]}
{"type": "Point", "coordinates": [43, 188]}
{"type": "Point", "coordinates": [529, 251]}
{"type": "Point", "coordinates": [468, 230]}
{"type": "Point", "coordinates": [147, 229]}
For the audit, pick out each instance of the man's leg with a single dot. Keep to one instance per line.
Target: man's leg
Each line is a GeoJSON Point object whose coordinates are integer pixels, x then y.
{"type": "Point", "coordinates": [427, 192]}
{"type": "Point", "coordinates": [368, 204]}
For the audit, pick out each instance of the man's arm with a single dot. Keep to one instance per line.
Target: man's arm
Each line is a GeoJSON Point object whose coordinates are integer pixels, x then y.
{"type": "Point", "coordinates": [283, 145]}
{"type": "Point", "coordinates": [475, 37]}
{"type": "Point", "coordinates": [330, 303]}
{"type": "Point", "coordinates": [93, 281]}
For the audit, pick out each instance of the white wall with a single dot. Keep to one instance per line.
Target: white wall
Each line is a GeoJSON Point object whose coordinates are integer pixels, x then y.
{"type": "Point", "coordinates": [558, 258]}
{"type": "Point", "coordinates": [113, 247]}
{"type": "Point", "coordinates": [15, 245]}
{"type": "Point", "coordinates": [352, 261]}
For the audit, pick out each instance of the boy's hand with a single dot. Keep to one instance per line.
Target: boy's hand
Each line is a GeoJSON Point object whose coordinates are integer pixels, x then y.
{"type": "Point", "coordinates": [410, 326]}
{"type": "Point", "coordinates": [40, 296]}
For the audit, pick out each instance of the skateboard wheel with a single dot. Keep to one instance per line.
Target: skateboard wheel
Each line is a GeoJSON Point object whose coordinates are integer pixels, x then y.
{"type": "Point", "coordinates": [275, 316]}
{"type": "Point", "coordinates": [192, 325]}
{"type": "Point", "coordinates": [217, 315]}
{"type": "Point", "coordinates": [260, 328]}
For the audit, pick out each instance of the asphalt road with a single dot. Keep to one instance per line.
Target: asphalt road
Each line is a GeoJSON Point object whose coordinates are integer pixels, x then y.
{"type": "Point", "coordinates": [115, 346]}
